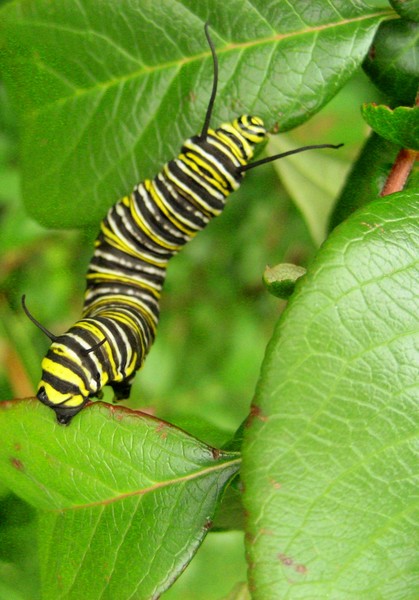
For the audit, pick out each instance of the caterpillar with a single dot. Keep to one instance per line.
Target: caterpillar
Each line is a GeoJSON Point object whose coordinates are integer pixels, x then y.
{"type": "Point", "coordinates": [137, 238]}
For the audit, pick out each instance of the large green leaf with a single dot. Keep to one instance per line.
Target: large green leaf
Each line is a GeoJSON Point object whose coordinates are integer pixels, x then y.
{"type": "Point", "coordinates": [119, 490]}
{"type": "Point", "coordinates": [330, 455]}
{"type": "Point", "coordinates": [108, 90]}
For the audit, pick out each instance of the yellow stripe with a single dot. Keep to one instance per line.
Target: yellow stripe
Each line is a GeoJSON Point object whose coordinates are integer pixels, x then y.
{"type": "Point", "coordinates": [227, 145]}
{"type": "Point", "coordinates": [120, 299]}
{"type": "Point", "coordinates": [144, 227]}
{"type": "Point", "coordinates": [218, 143]}
{"type": "Point", "coordinates": [128, 320]}
{"type": "Point", "coordinates": [115, 241]}
{"type": "Point", "coordinates": [234, 148]}
{"type": "Point", "coordinates": [131, 367]}
{"type": "Point", "coordinates": [64, 373]}
{"type": "Point", "coordinates": [63, 350]}
{"type": "Point", "coordinates": [57, 397]}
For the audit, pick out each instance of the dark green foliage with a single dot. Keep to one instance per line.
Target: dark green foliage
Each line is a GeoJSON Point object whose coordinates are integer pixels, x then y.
{"type": "Point", "coordinates": [393, 61]}
{"type": "Point", "coordinates": [409, 9]}
{"type": "Point", "coordinates": [366, 178]}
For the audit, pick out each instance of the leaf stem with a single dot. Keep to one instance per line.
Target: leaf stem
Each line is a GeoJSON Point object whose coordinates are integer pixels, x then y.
{"type": "Point", "coordinates": [401, 168]}
{"type": "Point", "coordinates": [400, 171]}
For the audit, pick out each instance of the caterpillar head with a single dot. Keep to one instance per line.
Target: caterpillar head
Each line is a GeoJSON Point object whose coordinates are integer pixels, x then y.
{"type": "Point", "coordinates": [65, 405]}
{"type": "Point", "coordinates": [69, 375]}
{"type": "Point", "coordinates": [66, 383]}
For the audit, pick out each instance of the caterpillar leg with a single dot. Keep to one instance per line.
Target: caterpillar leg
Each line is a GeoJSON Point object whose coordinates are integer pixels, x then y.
{"type": "Point", "coordinates": [122, 389]}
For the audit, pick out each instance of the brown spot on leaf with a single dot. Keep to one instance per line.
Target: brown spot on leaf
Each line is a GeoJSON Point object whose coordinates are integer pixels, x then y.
{"type": "Point", "coordinates": [16, 463]}
{"type": "Point", "coordinates": [215, 453]}
{"type": "Point", "coordinates": [17, 446]}
{"type": "Point", "coordinates": [161, 430]}
{"type": "Point", "coordinates": [255, 413]}
{"type": "Point", "coordinates": [116, 412]}
{"type": "Point", "coordinates": [301, 569]}
{"type": "Point", "coordinates": [371, 53]}
{"type": "Point", "coordinates": [191, 97]}
{"type": "Point", "coordinates": [249, 537]}
{"type": "Point", "coordinates": [288, 561]}
{"type": "Point", "coordinates": [208, 524]}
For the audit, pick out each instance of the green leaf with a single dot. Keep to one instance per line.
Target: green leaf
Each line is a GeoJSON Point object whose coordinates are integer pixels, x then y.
{"type": "Point", "coordinates": [313, 181]}
{"type": "Point", "coordinates": [330, 452]}
{"type": "Point", "coordinates": [393, 61]}
{"type": "Point", "coordinates": [99, 91]}
{"type": "Point", "coordinates": [400, 126]}
{"type": "Point", "coordinates": [118, 489]}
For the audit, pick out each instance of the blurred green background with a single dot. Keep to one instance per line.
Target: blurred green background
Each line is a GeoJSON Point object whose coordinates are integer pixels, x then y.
{"type": "Point", "coordinates": [216, 317]}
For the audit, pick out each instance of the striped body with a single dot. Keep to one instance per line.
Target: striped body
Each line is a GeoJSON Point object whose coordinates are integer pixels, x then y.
{"type": "Point", "coordinates": [139, 235]}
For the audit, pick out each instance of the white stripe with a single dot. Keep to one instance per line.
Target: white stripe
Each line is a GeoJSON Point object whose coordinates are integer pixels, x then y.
{"type": "Point", "coordinates": [134, 264]}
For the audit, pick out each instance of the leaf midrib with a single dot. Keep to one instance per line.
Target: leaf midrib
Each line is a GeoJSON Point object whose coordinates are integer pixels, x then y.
{"type": "Point", "coordinates": [178, 64]}
{"type": "Point", "coordinates": [156, 486]}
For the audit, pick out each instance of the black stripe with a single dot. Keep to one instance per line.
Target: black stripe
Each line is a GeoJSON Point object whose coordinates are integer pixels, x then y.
{"type": "Point", "coordinates": [196, 190]}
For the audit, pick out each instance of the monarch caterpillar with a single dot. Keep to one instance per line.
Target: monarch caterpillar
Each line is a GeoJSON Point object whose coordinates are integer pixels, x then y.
{"type": "Point", "coordinates": [139, 235]}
